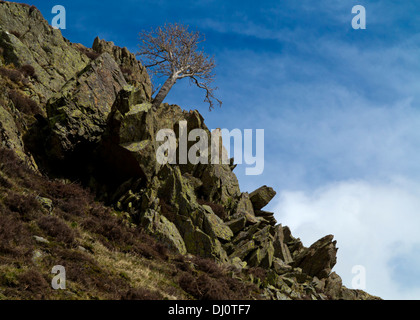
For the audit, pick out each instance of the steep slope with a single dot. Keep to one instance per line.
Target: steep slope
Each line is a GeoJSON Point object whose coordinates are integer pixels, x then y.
{"type": "Point", "coordinates": [162, 231]}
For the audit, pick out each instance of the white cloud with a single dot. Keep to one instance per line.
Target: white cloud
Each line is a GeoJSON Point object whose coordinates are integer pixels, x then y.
{"type": "Point", "coordinates": [374, 224]}
{"type": "Point", "coordinates": [342, 123]}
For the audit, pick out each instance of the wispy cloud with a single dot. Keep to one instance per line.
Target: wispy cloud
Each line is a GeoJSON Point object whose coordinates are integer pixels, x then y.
{"type": "Point", "coordinates": [375, 225]}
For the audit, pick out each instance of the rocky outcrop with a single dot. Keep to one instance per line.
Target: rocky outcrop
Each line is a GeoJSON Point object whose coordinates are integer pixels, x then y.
{"type": "Point", "coordinates": [319, 259]}
{"type": "Point", "coordinates": [27, 39]}
{"type": "Point", "coordinates": [79, 112]}
{"type": "Point", "coordinates": [96, 115]}
{"type": "Point", "coordinates": [261, 197]}
{"type": "Point", "coordinates": [134, 73]}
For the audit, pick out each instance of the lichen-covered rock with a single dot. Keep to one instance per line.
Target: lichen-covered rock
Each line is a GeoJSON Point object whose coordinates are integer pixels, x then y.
{"type": "Point", "coordinates": [220, 184]}
{"type": "Point", "coordinates": [10, 136]}
{"type": "Point", "coordinates": [55, 61]}
{"type": "Point", "coordinates": [281, 250]}
{"type": "Point", "coordinates": [133, 127]}
{"type": "Point", "coordinates": [78, 114]}
{"type": "Point", "coordinates": [245, 209]}
{"type": "Point", "coordinates": [280, 267]}
{"type": "Point", "coordinates": [177, 190]}
{"type": "Point", "coordinates": [215, 226]}
{"type": "Point", "coordinates": [294, 245]}
{"type": "Point", "coordinates": [261, 197]}
{"type": "Point", "coordinates": [237, 224]}
{"type": "Point", "coordinates": [267, 216]}
{"type": "Point", "coordinates": [134, 73]}
{"type": "Point", "coordinates": [333, 286]}
{"type": "Point", "coordinates": [243, 249]}
{"type": "Point", "coordinates": [263, 256]}
{"type": "Point", "coordinates": [199, 243]}
{"type": "Point", "coordinates": [46, 203]}
{"type": "Point", "coordinates": [319, 259]}
{"type": "Point", "coordinates": [164, 230]}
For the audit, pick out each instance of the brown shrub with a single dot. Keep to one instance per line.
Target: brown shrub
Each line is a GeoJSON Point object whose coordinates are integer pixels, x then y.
{"type": "Point", "coordinates": [91, 54]}
{"type": "Point", "coordinates": [27, 70]}
{"type": "Point", "coordinates": [211, 282]}
{"type": "Point", "coordinates": [25, 205]}
{"type": "Point", "coordinates": [258, 272]}
{"type": "Point", "coordinates": [34, 285]}
{"type": "Point", "coordinates": [111, 229]}
{"type": "Point", "coordinates": [17, 34]}
{"type": "Point", "coordinates": [141, 294]}
{"type": "Point", "coordinates": [181, 264]}
{"type": "Point", "coordinates": [218, 209]}
{"type": "Point", "coordinates": [11, 165]}
{"type": "Point", "coordinates": [167, 210]}
{"type": "Point", "coordinates": [126, 71]}
{"type": "Point", "coordinates": [32, 9]}
{"type": "Point", "coordinates": [23, 103]}
{"type": "Point", "coordinates": [208, 266]}
{"type": "Point", "coordinates": [57, 229]}
{"type": "Point", "coordinates": [204, 287]}
{"type": "Point", "coordinates": [14, 75]}
{"type": "Point", "coordinates": [84, 270]}
{"type": "Point", "coordinates": [5, 183]}
{"type": "Point", "coordinates": [115, 234]}
{"type": "Point", "coordinates": [66, 191]}
{"type": "Point", "coordinates": [15, 239]}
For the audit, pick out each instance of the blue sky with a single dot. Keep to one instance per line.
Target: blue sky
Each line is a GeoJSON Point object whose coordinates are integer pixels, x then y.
{"type": "Point", "coordinates": [340, 110]}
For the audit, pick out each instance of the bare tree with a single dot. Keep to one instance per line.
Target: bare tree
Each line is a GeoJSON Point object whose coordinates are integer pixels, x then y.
{"type": "Point", "coordinates": [172, 51]}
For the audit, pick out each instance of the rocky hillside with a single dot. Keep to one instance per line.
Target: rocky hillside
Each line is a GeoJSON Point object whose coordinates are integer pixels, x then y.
{"type": "Point", "coordinates": [80, 186]}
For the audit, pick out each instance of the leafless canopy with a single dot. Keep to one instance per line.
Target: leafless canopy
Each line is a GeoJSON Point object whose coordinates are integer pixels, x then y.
{"type": "Point", "coordinates": [172, 51]}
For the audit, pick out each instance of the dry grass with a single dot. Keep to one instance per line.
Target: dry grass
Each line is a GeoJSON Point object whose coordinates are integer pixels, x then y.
{"type": "Point", "coordinates": [118, 261]}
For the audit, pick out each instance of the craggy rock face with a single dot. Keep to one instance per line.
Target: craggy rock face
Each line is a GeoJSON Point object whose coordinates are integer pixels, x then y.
{"type": "Point", "coordinates": [28, 39]}
{"type": "Point", "coordinates": [96, 110]}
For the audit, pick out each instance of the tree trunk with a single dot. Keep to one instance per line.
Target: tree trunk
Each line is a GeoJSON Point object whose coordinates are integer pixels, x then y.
{"type": "Point", "coordinates": [163, 92]}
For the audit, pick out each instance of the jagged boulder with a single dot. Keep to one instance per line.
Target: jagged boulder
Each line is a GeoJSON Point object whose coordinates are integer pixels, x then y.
{"type": "Point", "coordinates": [220, 184]}
{"type": "Point", "coordinates": [133, 127]}
{"type": "Point", "coordinates": [319, 259]}
{"type": "Point", "coordinates": [78, 114]}
{"type": "Point", "coordinates": [215, 226]}
{"type": "Point", "coordinates": [134, 72]}
{"type": "Point", "coordinates": [237, 224]}
{"type": "Point", "coordinates": [281, 250]}
{"type": "Point", "coordinates": [163, 229]}
{"type": "Point", "coordinates": [280, 267]}
{"type": "Point", "coordinates": [11, 138]}
{"type": "Point", "coordinates": [333, 286]}
{"type": "Point", "coordinates": [27, 38]}
{"type": "Point", "coordinates": [242, 249]}
{"type": "Point", "coordinates": [177, 191]}
{"type": "Point", "coordinates": [294, 245]}
{"type": "Point", "coordinates": [198, 242]}
{"type": "Point", "coordinates": [261, 197]}
{"type": "Point", "coordinates": [267, 216]}
{"type": "Point", "coordinates": [263, 256]}
{"type": "Point", "coordinates": [245, 210]}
